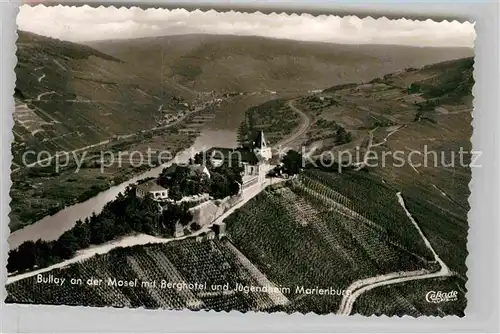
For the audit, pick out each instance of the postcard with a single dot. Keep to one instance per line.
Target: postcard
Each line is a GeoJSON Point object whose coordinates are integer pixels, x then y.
{"type": "Point", "coordinates": [229, 161]}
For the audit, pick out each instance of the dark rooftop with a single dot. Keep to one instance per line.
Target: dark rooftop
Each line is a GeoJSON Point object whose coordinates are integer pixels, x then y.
{"type": "Point", "coordinates": [260, 141]}
{"type": "Point", "coordinates": [151, 186]}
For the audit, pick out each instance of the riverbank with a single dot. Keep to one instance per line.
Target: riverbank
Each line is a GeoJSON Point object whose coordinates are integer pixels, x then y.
{"type": "Point", "coordinates": [39, 192]}
{"type": "Point", "coordinates": [220, 131]}
{"type": "Point", "coordinates": [51, 227]}
{"type": "Point", "coordinates": [145, 239]}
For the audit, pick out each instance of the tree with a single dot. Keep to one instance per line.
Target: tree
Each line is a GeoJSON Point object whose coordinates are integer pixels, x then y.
{"type": "Point", "coordinates": [81, 232]}
{"type": "Point", "coordinates": [66, 246]}
{"type": "Point", "coordinates": [175, 192]}
{"type": "Point", "coordinates": [183, 181]}
{"type": "Point", "coordinates": [201, 158]}
{"type": "Point", "coordinates": [43, 253]}
{"type": "Point", "coordinates": [125, 214]}
{"type": "Point", "coordinates": [219, 185]}
{"type": "Point", "coordinates": [22, 258]}
{"type": "Point", "coordinates": [342, 136]}
{"type": "Point", "coordinates": [234, 188]}
{"type": "Point", "coordinates": [175, 214]}
{"type": "Point", "coordinates": [413, 88]}
{"type": "Point", "coordinates": [225, 181]}
{"type": "Point", "coordinates": [292, 162]}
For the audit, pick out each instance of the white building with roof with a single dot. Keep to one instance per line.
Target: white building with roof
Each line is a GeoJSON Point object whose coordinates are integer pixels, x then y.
{"type": "Point", "coordinates": [154, 189]}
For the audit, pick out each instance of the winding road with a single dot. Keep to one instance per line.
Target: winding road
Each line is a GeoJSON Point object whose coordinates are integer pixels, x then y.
{"type": "Point", "coordinates": [43, 94]}
{"type": "Point", "coordinates": [388, 135]}
{"type": "Point", "coordinates": [304, 125]}
{"type": "Point", "coordinates": [361, 286]}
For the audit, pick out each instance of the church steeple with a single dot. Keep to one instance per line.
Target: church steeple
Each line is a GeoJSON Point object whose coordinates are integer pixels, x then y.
{"type": "Point", "coordinates": [260, 147]}
{"type": "Point", "coordinates": [260, 141]}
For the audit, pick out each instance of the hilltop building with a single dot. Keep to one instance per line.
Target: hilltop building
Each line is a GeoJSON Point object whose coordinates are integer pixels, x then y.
{"type": "Point", "coordinates": [254, 159]}
{"type": "Point", "coordinates": [151, 187]}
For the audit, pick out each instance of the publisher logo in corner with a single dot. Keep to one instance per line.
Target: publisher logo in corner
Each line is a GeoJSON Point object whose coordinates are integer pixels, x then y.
{"type": "Point", "coordinates": [441, 297]}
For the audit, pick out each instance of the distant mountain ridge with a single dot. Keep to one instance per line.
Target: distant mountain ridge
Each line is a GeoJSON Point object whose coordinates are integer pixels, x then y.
{"type": "Point", "coordinates": [247, 63]}
{"type": "Point", "coordinates": [67, 49]}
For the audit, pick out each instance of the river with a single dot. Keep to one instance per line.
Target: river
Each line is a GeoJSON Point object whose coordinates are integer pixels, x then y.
{"type": "Point", "coordinates": [221, 131]}
{"type": "Point", "coordinates": [51, 227]}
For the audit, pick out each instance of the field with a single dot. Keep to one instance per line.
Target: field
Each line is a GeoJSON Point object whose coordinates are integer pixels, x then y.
{"type": "Point", "coordinates": [319, 230]}
{"type": "Point", "coordinates": [340, 228]}
{"type": "Point", "coordinates": [406, 111]}
{"type": "Point", "coordinates": [427, 111]}
{"type": "Point", "coordinates": [214, 262]}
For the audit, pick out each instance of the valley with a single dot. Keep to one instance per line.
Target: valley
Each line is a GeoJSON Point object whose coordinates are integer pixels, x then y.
{"type": "Point", "coordinates": [386, 233]}
{"type": "Point", "coordinates": [228, 63]}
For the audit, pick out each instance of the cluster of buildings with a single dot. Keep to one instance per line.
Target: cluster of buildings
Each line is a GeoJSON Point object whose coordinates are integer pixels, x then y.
{"type": "Point", "coordinates": [255, 163]}
{"type": "Point", "coordinates": [254, 160]}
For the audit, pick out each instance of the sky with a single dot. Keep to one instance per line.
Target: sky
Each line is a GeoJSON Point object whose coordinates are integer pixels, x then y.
{"type": "Point", "coordinates": [84, 23]}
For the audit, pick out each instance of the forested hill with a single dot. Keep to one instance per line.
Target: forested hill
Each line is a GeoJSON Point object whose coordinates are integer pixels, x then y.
{"type": "Point", "coordinates": [248, 63]}
{"type": "Point", "coordinates": [70, 95]}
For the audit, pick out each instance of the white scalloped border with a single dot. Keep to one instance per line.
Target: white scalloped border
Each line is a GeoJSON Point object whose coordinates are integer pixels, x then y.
{"type": "Point", "coordinates": [10, 124]}
{"type": "Point", "coordinates": [260, 24]}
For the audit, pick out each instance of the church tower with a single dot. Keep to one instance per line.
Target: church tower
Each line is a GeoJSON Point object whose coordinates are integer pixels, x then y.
{"type": "Point", "coordinates": [261, 148]}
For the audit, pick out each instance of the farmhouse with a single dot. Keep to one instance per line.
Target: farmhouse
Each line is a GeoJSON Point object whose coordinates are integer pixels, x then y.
{"type": "Point", "coordinates": [152, 188]}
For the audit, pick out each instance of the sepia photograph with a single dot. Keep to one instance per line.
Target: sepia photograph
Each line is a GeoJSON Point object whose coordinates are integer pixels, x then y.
{"type": "Point", "coordinates": [228, 161]}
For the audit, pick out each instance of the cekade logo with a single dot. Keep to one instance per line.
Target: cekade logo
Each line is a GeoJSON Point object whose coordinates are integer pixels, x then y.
{"type": "Point", "coordinates": [440, 297]}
